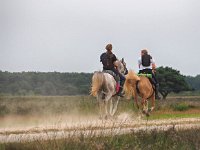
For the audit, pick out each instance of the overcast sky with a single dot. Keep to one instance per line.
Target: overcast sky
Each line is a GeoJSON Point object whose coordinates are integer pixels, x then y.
{"type": "Point", "coordinates": [70, 35]}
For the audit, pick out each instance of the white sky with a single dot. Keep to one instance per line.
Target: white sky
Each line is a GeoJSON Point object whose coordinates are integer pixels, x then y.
{"type": "Point", "coordinates": [70, 35]}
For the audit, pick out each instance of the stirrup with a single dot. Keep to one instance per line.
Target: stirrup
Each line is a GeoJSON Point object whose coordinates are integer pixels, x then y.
{"type": "Point", "coordinates": [120, 94]}
{"type": "Point", "coordinates": [157, 97]}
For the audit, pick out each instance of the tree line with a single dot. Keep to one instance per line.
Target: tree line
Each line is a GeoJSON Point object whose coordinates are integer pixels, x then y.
{"type": "Point", "coordinates": [44, 83]}
{"type": "Point", "coordinates": [56, 83]}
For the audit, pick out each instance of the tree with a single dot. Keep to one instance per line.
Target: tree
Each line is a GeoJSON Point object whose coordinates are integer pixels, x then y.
{"type": "Point", "coordinates": [170, 80]}
{"type": "Point", "coordinates": [194, 82]}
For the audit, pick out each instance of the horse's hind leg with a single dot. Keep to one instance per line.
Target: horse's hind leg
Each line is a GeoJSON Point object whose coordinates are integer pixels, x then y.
{"type": "Point", "coordinates": [107, 102]}
{"type": "Point", "coordinates": [136, 99]}
{"type": "Point", "coordinates": [106, 109]}
{"type": "Point", "coordinates": [152, 103]}
{"type": "Point", "coordinates": [115, 105]}
{"type": "Point", "coordinates": [101, 103]}
{"type": "Point", "coordinates": [100, 110]}
{"type": "Point", "coordinates": [145, 107]}
{"type": "Point", "coordinates": [137, 104]}
{"type": "Point", "coordinates": [111, 106]}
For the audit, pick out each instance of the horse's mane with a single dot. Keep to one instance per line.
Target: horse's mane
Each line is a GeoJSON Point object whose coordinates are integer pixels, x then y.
{"type": "Point", "coordinates": [119, 63]}
{"type": "Point", "coordinates": [132, 76]}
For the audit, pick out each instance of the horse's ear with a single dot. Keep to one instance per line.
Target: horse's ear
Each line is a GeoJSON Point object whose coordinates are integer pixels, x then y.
{"type": "Point", "coordinates": [122, 60]}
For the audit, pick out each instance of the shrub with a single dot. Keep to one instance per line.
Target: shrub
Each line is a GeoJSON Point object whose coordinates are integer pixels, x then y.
{"type": "Point", "coordinates": [180, 106]}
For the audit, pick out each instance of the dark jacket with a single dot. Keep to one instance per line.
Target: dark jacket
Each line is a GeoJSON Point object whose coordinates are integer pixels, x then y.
{"type": "Point", "coordinates": [108, 60]}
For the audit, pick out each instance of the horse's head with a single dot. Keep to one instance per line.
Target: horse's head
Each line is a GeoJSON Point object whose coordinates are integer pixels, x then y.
{"type": "Point", "coordinates": [121, 66]}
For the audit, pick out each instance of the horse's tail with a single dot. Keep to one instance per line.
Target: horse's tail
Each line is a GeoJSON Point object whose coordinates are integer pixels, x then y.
{"type": "Point", "coordinates": [97, 82]}
{"type": "Point", "coordinates": [130, 83]}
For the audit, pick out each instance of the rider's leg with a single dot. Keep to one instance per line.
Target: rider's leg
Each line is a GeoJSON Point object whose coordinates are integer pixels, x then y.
{"type": "Point", "coordinates": [153, 81]}
{"type": "Point", "coordinates": [122, 81]}
{"type": "Point", "coordinates": [117, 78]}
{"type": "Point", "coordinates": [156, 86]}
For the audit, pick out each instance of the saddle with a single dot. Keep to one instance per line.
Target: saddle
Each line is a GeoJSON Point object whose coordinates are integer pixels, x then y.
{"type": "Point", "coordinates": [116, 77]}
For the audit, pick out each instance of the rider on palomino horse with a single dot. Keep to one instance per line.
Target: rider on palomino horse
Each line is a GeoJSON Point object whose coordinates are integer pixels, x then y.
{"type": "Point", "coordinates": [147, 66]}
{"type": "Point", "coordinates": [108, 60]}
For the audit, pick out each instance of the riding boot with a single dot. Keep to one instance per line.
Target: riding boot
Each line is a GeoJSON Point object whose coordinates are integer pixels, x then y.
{"type": "Point", "coordinates": [120, 92]}
{"type": "Point", "coordinates": [156, 92]}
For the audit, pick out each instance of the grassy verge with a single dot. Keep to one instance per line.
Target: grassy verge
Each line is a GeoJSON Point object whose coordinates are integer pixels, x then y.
{"type": "Point", "coordinates": [42, 105]}
{"type": "Point", "coordinates": [173, 115]}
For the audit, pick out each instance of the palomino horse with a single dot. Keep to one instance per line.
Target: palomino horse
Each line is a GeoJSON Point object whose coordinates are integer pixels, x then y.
{"type": "Point", "coordinates": [104, 88]}
{"type": "Point", "coordinates": [140, 85]}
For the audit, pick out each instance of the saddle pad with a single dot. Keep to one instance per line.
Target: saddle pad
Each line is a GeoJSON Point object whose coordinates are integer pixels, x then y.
{"type": "Point", "coordinates": [145, 75]}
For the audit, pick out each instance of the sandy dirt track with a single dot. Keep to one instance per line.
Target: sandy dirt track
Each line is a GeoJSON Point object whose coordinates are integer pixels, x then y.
{"type": "Point", "coordinates": [121, 125]}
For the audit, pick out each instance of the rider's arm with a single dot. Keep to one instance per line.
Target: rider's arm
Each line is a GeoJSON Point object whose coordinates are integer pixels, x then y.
{"type": "Point", "coordinates": [114, 59]}
{"type": "Point", "coordinates": [115, 64]}
{"type": "Point", "coordinates": [139, 62]}
{"type": "Point", "coordinates": [153, 64]}
{"type": "Point", "coordinates": [101, 57]}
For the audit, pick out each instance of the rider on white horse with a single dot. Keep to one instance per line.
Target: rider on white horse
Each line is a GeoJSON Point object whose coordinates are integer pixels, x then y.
{"type": "Point", "coordinates": [108, 60]}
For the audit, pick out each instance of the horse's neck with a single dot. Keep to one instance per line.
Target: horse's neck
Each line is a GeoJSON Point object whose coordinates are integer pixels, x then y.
{"type": "Point", "coordinates": [120, 67]}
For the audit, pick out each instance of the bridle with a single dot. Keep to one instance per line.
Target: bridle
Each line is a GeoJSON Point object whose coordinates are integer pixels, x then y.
{"type": "Point", "coordinates": [124, 65]}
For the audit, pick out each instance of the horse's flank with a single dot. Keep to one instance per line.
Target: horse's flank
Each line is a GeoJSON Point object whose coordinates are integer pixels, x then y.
{"type": "Point", "coordinates": [145, 87]}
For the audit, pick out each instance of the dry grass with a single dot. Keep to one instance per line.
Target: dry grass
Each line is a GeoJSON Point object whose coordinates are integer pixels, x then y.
{"type": "Point", "coordinates": [51, 112]}
{"type": "Point", "coordinates": [170, 139]}
{"type": "Point", "coordinates": [36, 110]}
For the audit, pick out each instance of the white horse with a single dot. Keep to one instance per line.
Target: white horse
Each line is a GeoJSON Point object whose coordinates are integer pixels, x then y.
{"type": "Point", "coordinates": [104, 88]}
